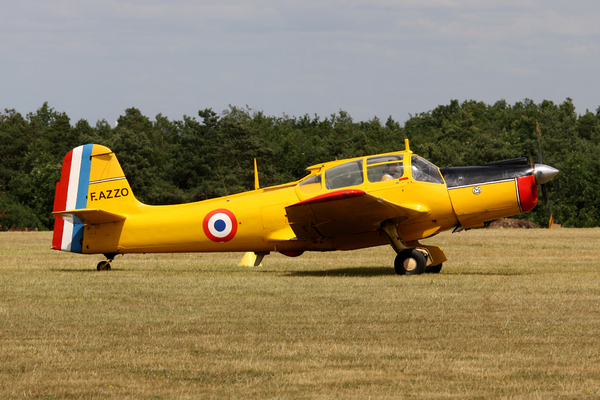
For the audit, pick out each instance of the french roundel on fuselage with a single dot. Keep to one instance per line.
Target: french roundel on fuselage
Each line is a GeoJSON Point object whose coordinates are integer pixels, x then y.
{"type": "Point", "coordinates": [220, 225]}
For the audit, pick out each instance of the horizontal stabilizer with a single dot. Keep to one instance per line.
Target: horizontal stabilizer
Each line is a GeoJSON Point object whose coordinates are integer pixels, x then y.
{"type": "Point", "coordinates": [89, 217]}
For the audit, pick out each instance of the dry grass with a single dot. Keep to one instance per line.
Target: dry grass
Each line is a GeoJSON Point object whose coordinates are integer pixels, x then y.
{"type": "Point", "coordinates": [514, 314]}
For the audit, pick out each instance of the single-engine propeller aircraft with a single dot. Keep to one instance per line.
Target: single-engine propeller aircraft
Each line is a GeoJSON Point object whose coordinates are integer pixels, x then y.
{"type": "Point", "coordinates": [396, 198]}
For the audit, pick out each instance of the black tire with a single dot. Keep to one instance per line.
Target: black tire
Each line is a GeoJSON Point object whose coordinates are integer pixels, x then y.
{"type": "Point", "coordinates": [410, 262]}
{"type": "Point", "coordinates": [434, 269]}
{"type": "Point", "coordinates": [103, 266]}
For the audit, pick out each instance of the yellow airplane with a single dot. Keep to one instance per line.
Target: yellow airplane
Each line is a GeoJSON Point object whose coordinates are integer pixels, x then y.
{"type": "Point", "coordinates": [395, 198]}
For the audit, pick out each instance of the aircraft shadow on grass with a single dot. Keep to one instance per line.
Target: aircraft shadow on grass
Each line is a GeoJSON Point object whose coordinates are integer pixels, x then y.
{"type": "Point", "coordinates": [344, 272]}
{"type": "Point", "coordinates": [350, 272]}
{"type": "Point", "coordinates": [489, 273]}
{"type": "Point", "coordinates": [387, 271]}
{"type": "Point", "coordinates": [79, 270]}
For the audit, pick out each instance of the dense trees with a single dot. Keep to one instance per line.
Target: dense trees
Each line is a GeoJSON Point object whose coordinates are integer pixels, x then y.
{"type": "Point", "coordinates": [212, 154]}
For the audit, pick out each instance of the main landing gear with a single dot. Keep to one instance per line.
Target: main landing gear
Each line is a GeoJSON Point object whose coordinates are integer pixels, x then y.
{"type": "Point", "coordinates": [410, 262]}
{"type": "Point", "coordinates": [412, 257]}
{"type": "Point", "coordinates": [414, 262]}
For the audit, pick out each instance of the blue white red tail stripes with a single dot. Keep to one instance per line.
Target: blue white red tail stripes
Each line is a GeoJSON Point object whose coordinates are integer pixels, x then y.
{"type": "Point", "coordinates": [71, 194]}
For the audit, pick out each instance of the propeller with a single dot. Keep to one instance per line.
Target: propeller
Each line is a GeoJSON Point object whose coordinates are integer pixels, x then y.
{"type": "Point", "coordinates": [544, 173]}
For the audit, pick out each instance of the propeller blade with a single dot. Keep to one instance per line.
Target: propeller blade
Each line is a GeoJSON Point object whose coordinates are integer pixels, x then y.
{"type": "Point", "coordinates": [546, 200]}
{"type": "Point", "coordinates": [543, 173]}
{"type": "Point", "coordinates": [537, 125]}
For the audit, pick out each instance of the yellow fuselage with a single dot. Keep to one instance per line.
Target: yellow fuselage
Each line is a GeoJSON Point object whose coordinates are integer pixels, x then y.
{"type": "Point", "coordinates": [113, 221]}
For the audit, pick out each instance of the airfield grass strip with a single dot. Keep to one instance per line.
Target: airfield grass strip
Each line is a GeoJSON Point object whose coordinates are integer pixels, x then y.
{"type": "Point", "coordinates": [513, 314]}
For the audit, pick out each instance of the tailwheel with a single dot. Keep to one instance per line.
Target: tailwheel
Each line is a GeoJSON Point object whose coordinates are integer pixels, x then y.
{"type": "Point", "coordinates": [434, 269]}
{"type": "Point", "coordinates": [410, 262]}
{"type": "Point", "coordinates": [103, 265]}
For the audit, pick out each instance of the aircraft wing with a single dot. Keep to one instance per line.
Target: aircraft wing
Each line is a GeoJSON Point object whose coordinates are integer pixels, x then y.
{"type": "Point", "coordinates": [346, 212]}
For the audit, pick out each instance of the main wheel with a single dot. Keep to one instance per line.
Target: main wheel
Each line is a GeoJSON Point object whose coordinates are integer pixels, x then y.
{"type": "Point", "coordinates": [103, 266]}
{"type": "Point", "coordinates": [434, 269]}
{"type": "Point", "coordinates": [410, 262]}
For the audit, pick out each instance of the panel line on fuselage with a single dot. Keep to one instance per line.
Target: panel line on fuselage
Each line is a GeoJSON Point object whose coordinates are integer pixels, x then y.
{"type": "Point", "coordinates": [482, 184]}
{"type": "Point", "coordinates": [518, 195]}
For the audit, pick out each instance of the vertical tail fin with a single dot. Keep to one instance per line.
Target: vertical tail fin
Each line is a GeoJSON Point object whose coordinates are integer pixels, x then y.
{"type": "Point", "coordinates": [92, 189]}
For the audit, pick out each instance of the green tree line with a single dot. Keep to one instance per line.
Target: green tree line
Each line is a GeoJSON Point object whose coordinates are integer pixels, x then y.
{"type": "Point", "coordinates": [196, 158]}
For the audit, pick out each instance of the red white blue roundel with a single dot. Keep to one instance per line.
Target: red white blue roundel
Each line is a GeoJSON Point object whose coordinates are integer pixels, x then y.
{"type": "Point", "coordinates": [220, 225]}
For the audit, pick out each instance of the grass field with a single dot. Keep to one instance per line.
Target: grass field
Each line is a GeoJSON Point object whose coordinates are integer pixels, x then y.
{"type": "Point", "coordinates": [513, 314]}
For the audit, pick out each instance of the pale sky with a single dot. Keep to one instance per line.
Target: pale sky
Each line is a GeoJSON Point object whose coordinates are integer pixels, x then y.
{"type": "Point", "coordinates": [93, 59]}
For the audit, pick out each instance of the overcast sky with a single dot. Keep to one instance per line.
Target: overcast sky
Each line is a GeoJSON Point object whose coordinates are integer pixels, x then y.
{"type": "Point", "coordinates": [93, 59]}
